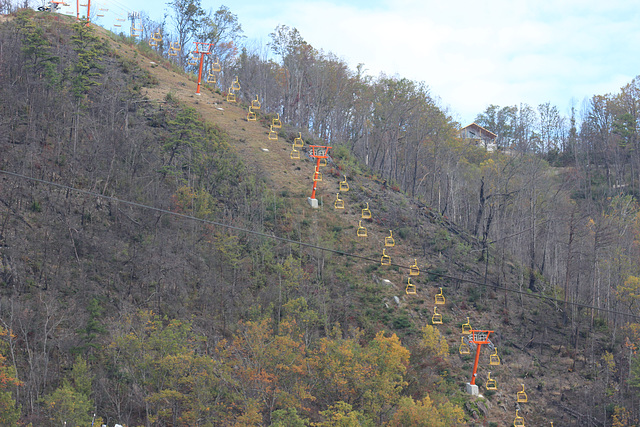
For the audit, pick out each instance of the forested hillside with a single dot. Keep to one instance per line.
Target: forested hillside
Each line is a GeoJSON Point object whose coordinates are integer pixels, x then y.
{"type": "Point", "coordinates": [160, 264]}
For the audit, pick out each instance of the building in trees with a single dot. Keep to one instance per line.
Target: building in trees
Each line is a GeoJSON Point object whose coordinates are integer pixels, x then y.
{"type": "Point", "coordinates": [479, 135]}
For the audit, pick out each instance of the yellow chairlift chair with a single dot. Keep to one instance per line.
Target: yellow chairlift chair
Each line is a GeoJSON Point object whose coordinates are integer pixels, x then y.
{"type": "Point", "coordinates": [414, 270]}
{"type": "Point", "coordinates": [255, 104]}
{"type": "Point", "coordinates": [295, 154]}
{"type": "Point", "coordinates": [211, 78]}
{"type": "Point", "coordinates": [388, 241]}
{"type": "Point", "coordinates": [386, 259]}
{"type": "Point", "coordinates": [297, 141]}
{"type": "Point", "coordinates": [464, 347]}
{"type": "Point", "coordinates": [366, 213]}
{"type": "Point", "coordinates": [466, 328]}
{"type": "Point", "coordinates": [215, 67]}
{"type": "Point", "coordinates": [436, 319]}
{"type": "Point", "coordinates": [276, 123]}
{"type": "Point", "coordinates": [361, 232]}
{"type": "Point", "coordinates": [411, 288]}
{"type": "Point", "coordinates": [231, 96]}
{"type": "Point", "coordinates": [440, 298]}
{"type": "Point", "coordinates": [494, 359]}
{"type": "Point", "coordinates": [273, 135]}
{"type": "Point", "coordinates": [318, 175]}
{"type": "Point", "coordinates": [323, 162]}
{"type": "Point", "coordinates": [235, 85]}
{"type": "Point", "coordinates": [491, 384]}
{"type": "Point", "coordinates": [518, 421]}
{"type": "Point", "coordinates": [339, 203]}
{"type": "Point", "coordinates": [193, 60]}
{"type": "Point", "coordinates": [521, 397]}
{"type": "Point", "coordinates": [344, 185]}
{"type": "Point", "coordinates": [251, 116]}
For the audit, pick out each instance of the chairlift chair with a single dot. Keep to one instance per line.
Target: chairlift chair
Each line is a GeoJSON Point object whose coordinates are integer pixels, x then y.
{"type": "Point", "coordinates": [388, 241]}
{"type": "Point", "coordinates": [216, 67]}
{"type": "Point", "coordinates": [255, 103]}
{"type": "Point", "coordinates": [494, 359]}
{"type": "Point", "coordinates": [464, 347]}
{"type": "Point", "coordinates": [295, 154]}
{"type": "Point", "coordinates": [317, 176]}
{"type": "Point", "coordinates": [235, 85]}
{"type": "Point", "coordinates": [157, 36]}
{"type": "Point", "coordinates": [518, 421]}
{"type": "Point", "coordinates": [440, 298]}
{"type": "Point", "coordinates": [491, 384]}
{"type": "Point", "coordinates": [231, 97]}
{"type": "Point", "coordinates": [436, 319]}
{"type": "Point", "coordinates": [323, 162]}
{"type": "Point", "coordinates": [361, 232]}
{"type": "Point", "coordinates": [339, 203]}
{"type": "Point", "coordinates": [411, 288]}
{"type": "Point", "coordinates": [366, 213]}
{"type": "Point", "coordinates": [521, 397]}
{"type": "Point", "coordinates": [251, 116]}
{"type": "Point", "coordinates": [466, 328]}
{"type": "Point", "coordinates": [153, 42]}
{"type": "Point", "coordinates": [414, 270]}
{"type": "Point", "coordinates": [211, 78]}
{"type": "Point", "coordinates": [175, 45]}
{"type": "Point", "coordinates": [276, 123]}
{"type": "Point", "coordinates": [193, 60]}
{"type": "Point", "coordinates": [273, 135]}
{"type": "Point", "coordinates": [344, 185]}
{"type": "Point", "coordinates": [297, 141]}
{"type": "Point", "coordinates": [386, 259]}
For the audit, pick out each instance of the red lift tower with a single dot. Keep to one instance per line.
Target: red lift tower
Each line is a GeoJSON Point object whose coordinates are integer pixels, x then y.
{"type": "Point", "coordinates": [476, 338]}
{"type": "Point", "coordinates": [202, 49]}
{"type": "Point", "coordinates": [318, 152]}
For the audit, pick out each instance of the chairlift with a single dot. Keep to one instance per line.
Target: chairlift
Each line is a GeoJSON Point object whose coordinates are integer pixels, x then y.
{"type": "Point", "coordinates": [153, 42]}
{"type": "Point", "coordinates": [440, 298]}
{"type": "Point", "coordinates": [521, 397]}
{"type": "Point", "coordinates": [255, 103]}
{"type": "Point", "coordinates": [361, 232]}
{"type": "Point", "coordinates": [339, 203]}
{"type": "Point", "coordinates": [389, 241]}
{"type": "Point", "coordinates": [295, 154]}
{"type": "Point", "coordinates": [231, 97]}
{"type": "Point", "coordinates": [466, 328]}
{"type": "Point", "coordinates": [491, 384]}
{"type": "Point", "coordinates": [317, 176]}
{"type": "Point", "coordinates": [175, 45]}
{"type": "Point", "coordinates": [386, 259]}
{"type": "Point", "coordinates": [276, 123]}
{"type": "Point", "coordinates": [157, 36]}
{"type": "Point", "coordinates": [464, 347]}
{"type": "Point", "coordinates": [411, 288]}
{"type": "Point", "coordinates": [344, 185]}
{"type": "Point", "coordinates": [494, 359]}
{"type": "Point", "coordinates": [436, 319]}
{"type": "Point", "coordinates": [251, 115]}
{"type": "Point", "coordinates": [216, 67]}
{"type": "Point", "coordinates": [211, 78]}
{"type": "Point", "coordinates": [323, 162]}
{"type": "Point", "coordinates": [297, 141]}
{"type": "Point", "coordinates": [193, 60]}
{"type": "Point", "coordinates": [235, 85]}
{"type": "Point", "coordinates": [414, 270]}
{"type": "Point", "coordinates": [366, 213]}
{"type": "Point", "coordinates": [518, 421]}
{"type": "Point", "coordinates": [273, 135]}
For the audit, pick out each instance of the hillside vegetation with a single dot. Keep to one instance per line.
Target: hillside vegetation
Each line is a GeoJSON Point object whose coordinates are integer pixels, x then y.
{"type": "Point", "coordinates": [160, 264]}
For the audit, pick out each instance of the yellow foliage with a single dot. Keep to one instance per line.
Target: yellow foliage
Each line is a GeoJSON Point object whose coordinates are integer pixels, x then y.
{"type": "Point", "coordinates": [425, 413]}
{"type": "Point", "coordinates": [622, 418]}
{"type": "Point", "coordinates": [434, 342]}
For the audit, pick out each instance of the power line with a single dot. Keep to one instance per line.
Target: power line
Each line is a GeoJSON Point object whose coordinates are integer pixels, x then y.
{"type": "Point", "coordinates": [310, 245]}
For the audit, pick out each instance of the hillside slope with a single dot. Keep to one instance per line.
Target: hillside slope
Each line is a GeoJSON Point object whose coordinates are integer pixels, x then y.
{"type": "Point", "coordinates": [62, 250]}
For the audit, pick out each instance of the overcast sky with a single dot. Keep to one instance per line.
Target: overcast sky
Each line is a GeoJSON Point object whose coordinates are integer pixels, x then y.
{"type": "Point", "coordinates": [470, 53]}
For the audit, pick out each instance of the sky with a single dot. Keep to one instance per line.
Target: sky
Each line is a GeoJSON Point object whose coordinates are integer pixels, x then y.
{"type": "Point", "coordinates": [470, 54]}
